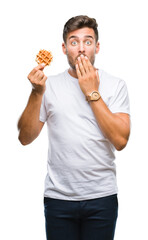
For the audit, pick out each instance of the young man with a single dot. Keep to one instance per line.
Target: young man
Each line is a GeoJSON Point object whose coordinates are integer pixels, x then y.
{"type": "Point", "coordinates": [87, 114]}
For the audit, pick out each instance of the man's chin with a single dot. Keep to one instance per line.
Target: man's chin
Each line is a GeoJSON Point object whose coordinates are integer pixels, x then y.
{"type": "Point", "coordinates": [73, 67]}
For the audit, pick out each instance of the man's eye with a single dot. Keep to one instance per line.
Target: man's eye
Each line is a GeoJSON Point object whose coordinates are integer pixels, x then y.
{"type": "Point", "coordinates": [74, 43]}
{"type": "Point", "coordinates": [88, 42]}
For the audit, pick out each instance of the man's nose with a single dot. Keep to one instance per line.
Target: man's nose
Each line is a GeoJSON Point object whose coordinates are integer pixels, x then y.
{"type": "Point", "coordinates": [81, 47]}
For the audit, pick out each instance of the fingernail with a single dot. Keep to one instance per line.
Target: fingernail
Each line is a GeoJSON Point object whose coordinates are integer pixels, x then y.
{"type": "Point", "coordinates": [43, 64]}
{"type": "Point", "coordinates": [86, 57]}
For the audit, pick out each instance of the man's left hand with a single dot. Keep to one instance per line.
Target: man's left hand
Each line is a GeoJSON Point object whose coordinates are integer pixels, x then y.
{"type": "Point", "coordinates": [88, 76]}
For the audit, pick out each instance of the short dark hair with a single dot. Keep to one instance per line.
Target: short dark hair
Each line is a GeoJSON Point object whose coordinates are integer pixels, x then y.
{"type": "Point", "coordinates": [78, 22]}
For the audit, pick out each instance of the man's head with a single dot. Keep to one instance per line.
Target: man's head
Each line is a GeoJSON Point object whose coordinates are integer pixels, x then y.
{"type": "Point", "coordinates": [78, 22]}
{"type": "Point", "coordinates": [80, 36]}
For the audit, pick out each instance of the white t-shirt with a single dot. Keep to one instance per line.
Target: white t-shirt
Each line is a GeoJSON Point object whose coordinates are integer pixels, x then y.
{"type": "Point", "coordinates": [80, 159]}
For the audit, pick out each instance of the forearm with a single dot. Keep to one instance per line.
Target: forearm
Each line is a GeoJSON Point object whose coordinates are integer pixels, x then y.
{"type": "Point", "coordinates": [28, 124]}
{"type": "Point", "coordinates": [113, 127]}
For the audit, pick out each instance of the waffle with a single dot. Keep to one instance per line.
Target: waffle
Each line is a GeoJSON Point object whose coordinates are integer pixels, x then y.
{"type": "Point", "coordinates": [44, 57]}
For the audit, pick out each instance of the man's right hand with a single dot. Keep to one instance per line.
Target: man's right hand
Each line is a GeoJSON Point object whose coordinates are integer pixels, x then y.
{"type": "Point", "coordinates": [38, 79]}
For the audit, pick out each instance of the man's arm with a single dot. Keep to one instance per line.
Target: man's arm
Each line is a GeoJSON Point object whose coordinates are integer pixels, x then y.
{"type": "Point", "coordinates": [29, 125]}
{"type": "Point", "coordinates": [114, 126]}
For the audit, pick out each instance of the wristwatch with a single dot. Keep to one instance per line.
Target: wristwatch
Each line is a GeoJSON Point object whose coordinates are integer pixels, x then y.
{"type": "Point", "coordinates": [94, 96]}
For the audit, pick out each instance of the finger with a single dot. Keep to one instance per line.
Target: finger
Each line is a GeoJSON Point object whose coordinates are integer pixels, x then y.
{"type": "Point", "coordinates": [44, 79]}
{"type": "Point", "coordinates": [97, 74]}
{"type": "Point", "coordinates": [81, 67]}
{"type": "Point", "coordinates": [39, 67]}
{"type": "Point", "coordinates": [40, 75]}
{"type": "Point", "coordinates": [78, 71]}
{"type": "Point", "coordinates": [85, 64]}
{"type": "Point", "coordinates": [89, 65]}
{"type": "Point", "coordinates": [37, 77]}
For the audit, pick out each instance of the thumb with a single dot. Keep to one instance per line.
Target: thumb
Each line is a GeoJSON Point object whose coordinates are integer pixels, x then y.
{"type": "Point", "coordinates": [41, 66]}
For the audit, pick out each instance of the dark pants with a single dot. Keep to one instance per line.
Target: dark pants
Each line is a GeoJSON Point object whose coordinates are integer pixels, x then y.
{"type": "Point", "coordinates": [93, 219]}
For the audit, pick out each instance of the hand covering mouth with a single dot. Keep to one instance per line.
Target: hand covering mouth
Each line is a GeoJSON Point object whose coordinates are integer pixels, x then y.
{"type": "Point", "coordinates": [79, 56]}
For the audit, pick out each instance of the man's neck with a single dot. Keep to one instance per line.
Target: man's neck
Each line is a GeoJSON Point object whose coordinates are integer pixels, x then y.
{"type": "Point", "coordinates": [72, 72]}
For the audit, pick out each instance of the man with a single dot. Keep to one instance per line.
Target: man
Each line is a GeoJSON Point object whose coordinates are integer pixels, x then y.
{"type": "Point", "coordinates": [87, 114]}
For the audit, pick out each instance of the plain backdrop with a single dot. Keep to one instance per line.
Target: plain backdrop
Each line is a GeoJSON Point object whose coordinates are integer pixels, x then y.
{"type": "Point", "coordinates": [30, 25]}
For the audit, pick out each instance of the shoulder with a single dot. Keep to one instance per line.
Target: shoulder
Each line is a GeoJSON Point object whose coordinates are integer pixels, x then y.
{"type": "Point", "coordinates": [108, 78]}
{"type": "Point", "coordinates": [110, 83]}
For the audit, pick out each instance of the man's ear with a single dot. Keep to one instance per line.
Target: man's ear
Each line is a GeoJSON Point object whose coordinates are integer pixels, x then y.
{"type": "Point", "coordinates": [64, 48]}
{"type": "Point", "coordinates": [97, 47]}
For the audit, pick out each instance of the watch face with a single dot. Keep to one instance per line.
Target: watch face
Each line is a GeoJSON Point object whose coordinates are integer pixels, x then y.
{"type": "Point", "coordinates": [95, 95]}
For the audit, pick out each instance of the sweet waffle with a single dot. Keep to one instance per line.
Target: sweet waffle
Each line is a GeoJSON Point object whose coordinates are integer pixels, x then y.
{"type": "Point", "coordinates": [44, 57]}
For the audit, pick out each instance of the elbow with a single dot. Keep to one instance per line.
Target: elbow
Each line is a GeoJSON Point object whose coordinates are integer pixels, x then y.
{"type": "Point", "coordinates": [120, 145]}
{"type": "Point", "coordinates": [23, 140]}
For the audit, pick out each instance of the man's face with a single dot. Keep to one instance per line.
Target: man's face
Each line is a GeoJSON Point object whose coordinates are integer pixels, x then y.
{"type": "Point", "coordinates": [81, 41]}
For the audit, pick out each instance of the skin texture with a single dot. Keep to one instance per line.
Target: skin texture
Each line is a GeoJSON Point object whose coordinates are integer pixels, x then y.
{"type": "Point", "coordinates": [80, 49]}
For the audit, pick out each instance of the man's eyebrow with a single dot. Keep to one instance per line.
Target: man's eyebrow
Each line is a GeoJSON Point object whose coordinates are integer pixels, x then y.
{"type": "Point", "coordinates": [73, 37]}
{"type": "Point", "coordinates": [89, 36]}
{"type": "Point", "coordinates": [86, 36]}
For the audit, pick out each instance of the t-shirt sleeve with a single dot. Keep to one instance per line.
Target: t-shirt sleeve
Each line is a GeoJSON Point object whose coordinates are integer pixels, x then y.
{"type": "Point", "coordinates": [120, 101]}
{"type": "Point", "coordinates": [43, 112]}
